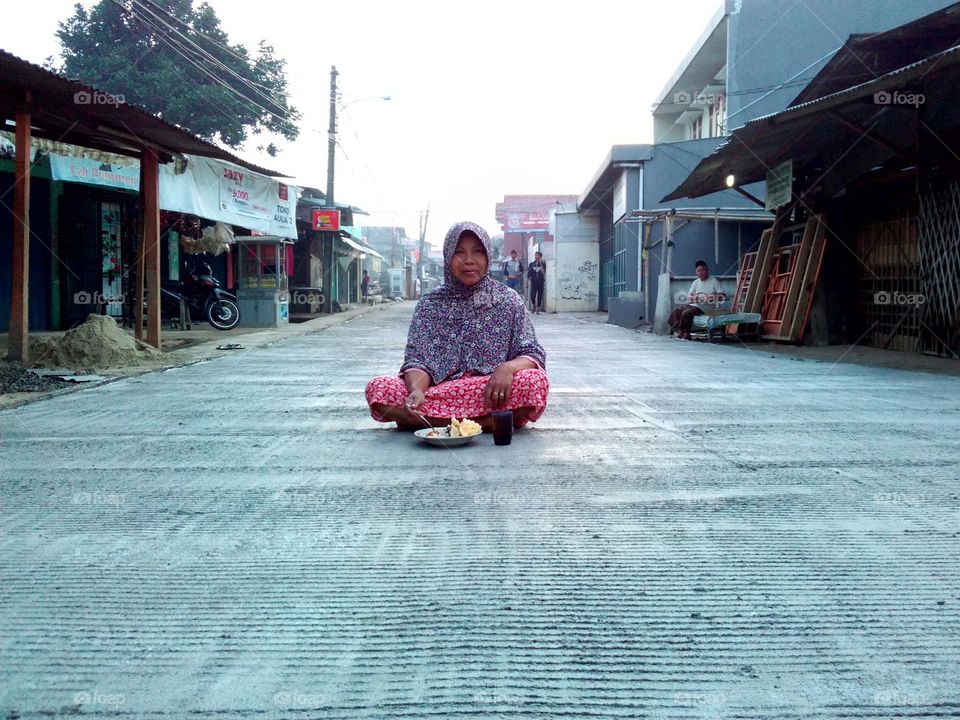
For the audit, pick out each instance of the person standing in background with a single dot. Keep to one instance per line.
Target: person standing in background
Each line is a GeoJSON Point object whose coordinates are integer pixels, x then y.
{"type": "Point", "coordinates": [537, 277]}
{"type": "Point", "coordinates": [365, 284]}
{"type": "Point", "coordinates": [513, 272]}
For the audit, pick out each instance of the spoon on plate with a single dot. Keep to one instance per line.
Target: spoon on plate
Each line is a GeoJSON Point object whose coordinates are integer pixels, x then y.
{"type": "Point", "coordinates": [420, 416]}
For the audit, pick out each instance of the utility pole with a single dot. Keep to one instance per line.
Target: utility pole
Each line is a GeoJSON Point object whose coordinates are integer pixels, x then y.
{"type": "Point", "coordinates": [424, 217]}
{"type": "Point", "coordinates": [328, 237]}
{"type": "Point", "coordinates": [332, 134]}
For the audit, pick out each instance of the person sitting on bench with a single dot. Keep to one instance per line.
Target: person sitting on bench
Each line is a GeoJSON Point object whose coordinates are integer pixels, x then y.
{"type": "Point", "coordinates": [704, 295]}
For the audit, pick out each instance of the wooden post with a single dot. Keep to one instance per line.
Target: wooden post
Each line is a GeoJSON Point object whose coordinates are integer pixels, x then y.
{"type": "Point", "coordinates": [138, 298]}
{"type": "Point", "coordinates": [645, 248]}
{"type": "Point", "coordinates": [668, 255]}
{"type": "Point", "coordinates": [716, 237]}
{"type": "Point", "coordinates": [19, 333]}
{"type": "Point", "coordinates": [150, 243]}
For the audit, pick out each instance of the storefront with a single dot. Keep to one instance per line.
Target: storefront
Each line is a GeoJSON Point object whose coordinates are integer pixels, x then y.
{"type": "Point", "coordinates": [85, 222]}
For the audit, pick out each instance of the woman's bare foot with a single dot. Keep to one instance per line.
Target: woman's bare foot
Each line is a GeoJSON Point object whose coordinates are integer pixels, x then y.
{"type": "Point", "coordinates": [406, 419]}
{"type": "Point", "coordinates": [520, 416]}
{"type": "Point", "coordinates": [485, 422]}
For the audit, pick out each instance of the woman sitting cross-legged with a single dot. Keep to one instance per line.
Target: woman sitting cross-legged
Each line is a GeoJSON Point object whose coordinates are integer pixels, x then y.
{"type": "Point", "coordinates": [471, 348]}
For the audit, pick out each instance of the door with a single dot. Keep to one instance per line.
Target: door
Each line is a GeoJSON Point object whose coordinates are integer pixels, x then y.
{"type": "Point", "coordinates": [111, 248]}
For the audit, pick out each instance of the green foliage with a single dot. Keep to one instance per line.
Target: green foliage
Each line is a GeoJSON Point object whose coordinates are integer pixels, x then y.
{"type": "Point", "coordinates": [174, 60]}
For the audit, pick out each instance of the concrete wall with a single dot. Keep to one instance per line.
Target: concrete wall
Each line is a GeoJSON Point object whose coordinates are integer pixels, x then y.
{"type": "Point", "coordinates": [573, 278]}
{"type": "Point", "coordinates": [572, 227]}
{"type": "Point", "coordinates": [769, 41]}
{"type": "Point", "coordinates": [570, 288]}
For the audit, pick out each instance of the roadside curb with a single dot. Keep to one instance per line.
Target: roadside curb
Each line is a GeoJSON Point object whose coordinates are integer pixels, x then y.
{"type": "Point", "coordinates": [203, 352]}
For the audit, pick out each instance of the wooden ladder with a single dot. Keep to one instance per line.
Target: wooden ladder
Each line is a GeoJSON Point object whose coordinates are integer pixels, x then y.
{"type": "Point", "coordinates": [744, 279]}
{"type": "Point", "coordinates": [792, 283]}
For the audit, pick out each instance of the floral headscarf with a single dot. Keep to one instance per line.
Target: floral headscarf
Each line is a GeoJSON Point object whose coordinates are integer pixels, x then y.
{"type": "Point", "coordinates": [459, 330]}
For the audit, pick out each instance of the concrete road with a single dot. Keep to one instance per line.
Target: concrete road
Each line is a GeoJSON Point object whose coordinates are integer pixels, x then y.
{"type": "Point", "coordinates": [690, 531]}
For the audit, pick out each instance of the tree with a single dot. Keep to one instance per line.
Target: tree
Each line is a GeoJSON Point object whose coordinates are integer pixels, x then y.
{"type": "Point", "coordinates": [174, 60]}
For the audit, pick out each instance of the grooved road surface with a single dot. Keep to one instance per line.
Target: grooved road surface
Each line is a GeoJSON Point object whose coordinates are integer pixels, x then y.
{"type": "Point", "coordinates": [690, 531]}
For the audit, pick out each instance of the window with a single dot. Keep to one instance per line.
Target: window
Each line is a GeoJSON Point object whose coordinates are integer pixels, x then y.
{"type": "Point", "coordinates": [696, 128]}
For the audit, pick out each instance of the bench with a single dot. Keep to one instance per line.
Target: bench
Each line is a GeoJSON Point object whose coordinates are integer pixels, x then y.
{"type": "Point", "coordinates": [715, 323]}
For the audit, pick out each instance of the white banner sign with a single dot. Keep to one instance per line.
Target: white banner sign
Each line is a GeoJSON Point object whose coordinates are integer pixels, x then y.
{"type": "Point", "coordinates": [93, 172]}
{"type": "Point", "coordinates": [218, 190]}
{"type": "Point", "coordinates": [208, 188]}
{"type": "Point", "coordinates": [247, 194]}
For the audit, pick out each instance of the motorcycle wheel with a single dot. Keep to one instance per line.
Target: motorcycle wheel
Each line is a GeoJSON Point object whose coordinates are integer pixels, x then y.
{"type": "Point", "coordinates": [223, 314]}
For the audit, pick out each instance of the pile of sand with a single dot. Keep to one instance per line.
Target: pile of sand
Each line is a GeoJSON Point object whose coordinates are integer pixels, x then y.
{"type": "Point", "coordinates": [98, 344]}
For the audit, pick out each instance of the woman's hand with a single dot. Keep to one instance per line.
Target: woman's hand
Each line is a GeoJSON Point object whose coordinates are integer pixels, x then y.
{"type": "Point", "coordinates": [414, 400]}
{"type": "Point", "coordinates": [417, 382]}
{"type": "Point", "coordinates": [497, 392]}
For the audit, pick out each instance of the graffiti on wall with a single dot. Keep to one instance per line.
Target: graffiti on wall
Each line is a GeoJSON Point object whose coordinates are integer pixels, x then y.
{"type": "Point", "coordinates": [577, 281]}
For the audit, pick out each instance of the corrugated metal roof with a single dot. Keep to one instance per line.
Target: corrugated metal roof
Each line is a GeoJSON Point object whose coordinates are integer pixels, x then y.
{"type": "Point", "coordinates": [69, 111]}
{"type": "Point", "coordinates": [765, 141]}
{"type": "Point", "coordinates": [865, 57]}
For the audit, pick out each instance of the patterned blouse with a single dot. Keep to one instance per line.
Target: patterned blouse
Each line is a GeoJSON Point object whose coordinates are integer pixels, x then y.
{"type": "Point", "coordinates": [459, 330]}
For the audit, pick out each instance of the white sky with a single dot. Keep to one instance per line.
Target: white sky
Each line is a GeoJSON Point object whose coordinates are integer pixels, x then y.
{"type": "Point", "coordinates": [488, 99]}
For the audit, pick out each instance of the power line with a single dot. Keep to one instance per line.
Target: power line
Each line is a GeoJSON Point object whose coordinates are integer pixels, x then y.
{"type": "Point", "coordinates": [231, 116]}
{"type": "Point", "coordinates": [308, 87]}
{"type": "Point", "coordinates": [183, 52]}
{"type": "Point", "coordinates": [161, 36]}
{"type": "Point", "coordinates": [216, 61]}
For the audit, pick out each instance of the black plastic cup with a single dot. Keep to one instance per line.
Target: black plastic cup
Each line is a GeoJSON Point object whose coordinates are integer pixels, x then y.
{"type": "Point", "coordinates": [502, 427]}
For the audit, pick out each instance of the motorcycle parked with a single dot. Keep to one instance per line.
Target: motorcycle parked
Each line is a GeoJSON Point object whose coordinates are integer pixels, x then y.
{"type": "Point", "coordinates": [204, 298]}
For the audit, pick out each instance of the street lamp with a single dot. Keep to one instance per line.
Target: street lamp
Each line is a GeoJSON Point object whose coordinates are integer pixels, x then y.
{"type": "Point", "coordinates": [328, 252]}
{"type": "Point", "coordinates": [332, 130]}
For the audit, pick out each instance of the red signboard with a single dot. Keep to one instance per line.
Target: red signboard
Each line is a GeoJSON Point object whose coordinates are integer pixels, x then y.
{"type": "Point", "coordinates": [526, 222]}
{"type": "Point", "coordinates": [326, 220]}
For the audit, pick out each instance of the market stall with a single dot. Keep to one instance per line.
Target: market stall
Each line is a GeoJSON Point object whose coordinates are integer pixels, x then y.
{"type": "Point", "coordinates": [262, 280]}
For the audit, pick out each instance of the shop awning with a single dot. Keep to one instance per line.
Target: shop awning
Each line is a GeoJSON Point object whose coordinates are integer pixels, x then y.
{"type": "Point", "coordinates": [206, 187]}
{"type": "Point", "coordinates": [80, 114]}
{"type": "Point", "coordinates": [357, 246]}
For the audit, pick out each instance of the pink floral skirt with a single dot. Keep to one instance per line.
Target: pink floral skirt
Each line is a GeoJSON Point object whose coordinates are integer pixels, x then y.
{"type": "Point", "coordinates": [464, 397]}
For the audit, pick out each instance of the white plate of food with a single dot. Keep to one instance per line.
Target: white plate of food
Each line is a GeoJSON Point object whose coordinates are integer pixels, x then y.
{"type": "Point", "coordinates": [453, 435]}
